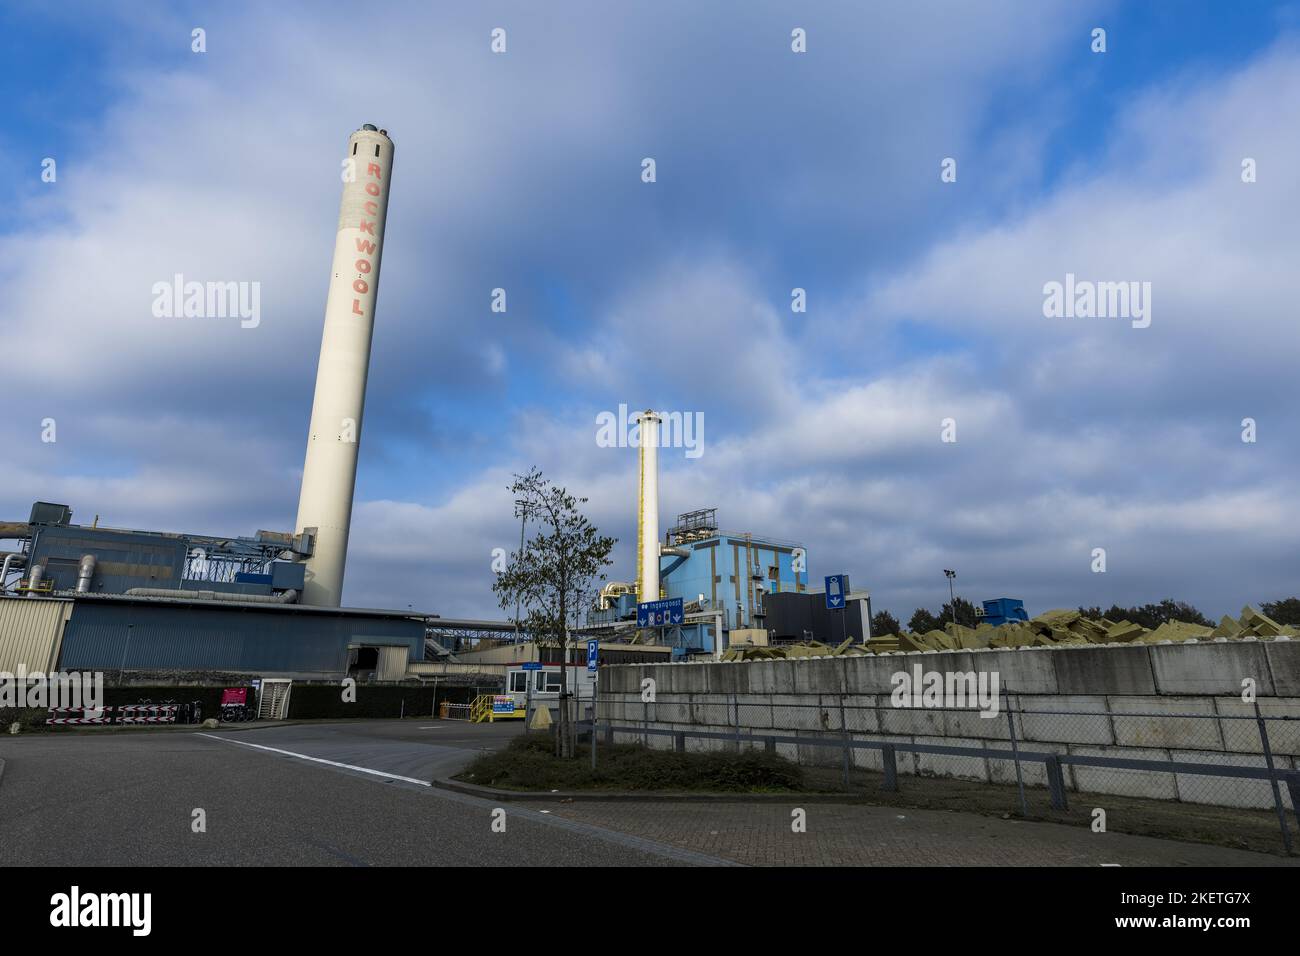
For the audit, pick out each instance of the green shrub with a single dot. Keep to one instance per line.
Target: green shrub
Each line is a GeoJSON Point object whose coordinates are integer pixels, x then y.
{"type": "Point", "coordinates": [28, 718]}
{"type": "Point", "coordinates": [528, 763]}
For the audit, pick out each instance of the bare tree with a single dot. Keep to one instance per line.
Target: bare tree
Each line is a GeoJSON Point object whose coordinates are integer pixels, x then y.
{"type": "Point", "coordinates": [551, 573]}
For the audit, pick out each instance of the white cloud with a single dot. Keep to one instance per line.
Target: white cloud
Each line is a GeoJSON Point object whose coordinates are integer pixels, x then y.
{"type": "Point", "coordinates": [1070, 435]}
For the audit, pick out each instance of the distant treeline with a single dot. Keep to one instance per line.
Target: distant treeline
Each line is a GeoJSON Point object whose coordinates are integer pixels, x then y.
{"type": "Point", "coordinates": [1285, 611]}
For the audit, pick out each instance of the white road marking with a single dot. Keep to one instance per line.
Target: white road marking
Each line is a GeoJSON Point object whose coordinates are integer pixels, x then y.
{"type": "Point", "coordinates": [331, 763]}
{"type": "Point", "coordinates": [431, 727]}
{"type": "Point", "coordinates": [609, 836]}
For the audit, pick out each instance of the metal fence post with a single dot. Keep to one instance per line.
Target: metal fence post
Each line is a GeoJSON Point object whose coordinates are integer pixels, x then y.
{"type": "Point", "coordinates": [1272, 780]}
{"type": "Point", "coordinates": [844, 737]}
{"type": "Point", "coordinates": [595, 711]}
{"type": "Point", "coordinates": [1293, 785]}
{"type": "Point", "coordinates": [1015, 754]}
{"type": "Point", "coordinates": [679, 742]}
{"type": "Point", "coordinates": [735, 721]}
{"type": "Point", "coordinates": [769, 746]}
{"type": "Point", "coordinates": [1056, 783]}
{"type": "Point", "coordinates": [889, 760]}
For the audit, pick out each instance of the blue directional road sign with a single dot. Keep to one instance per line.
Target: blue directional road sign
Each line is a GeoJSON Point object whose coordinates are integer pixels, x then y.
{"type": "Point", "coordinates": [660, 613]}
{"type": "Point", "coordinates": [837, 586]}
{"type": "Point", "coordinates": [593, 652]}
{"type": "Point", "coordinates": [531, 666]}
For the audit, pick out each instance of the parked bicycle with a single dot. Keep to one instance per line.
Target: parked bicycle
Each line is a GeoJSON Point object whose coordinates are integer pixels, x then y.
{"type": "Point", "coordinates": [236, 714]}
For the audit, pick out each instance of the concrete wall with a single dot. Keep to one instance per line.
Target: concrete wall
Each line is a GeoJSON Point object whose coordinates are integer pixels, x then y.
{"type": "Point", "coordinates": [1179, 702]}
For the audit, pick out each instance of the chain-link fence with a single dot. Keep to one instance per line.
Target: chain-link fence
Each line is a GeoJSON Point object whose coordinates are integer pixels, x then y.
{"type": "Point", "coordinates": [1219, 754]}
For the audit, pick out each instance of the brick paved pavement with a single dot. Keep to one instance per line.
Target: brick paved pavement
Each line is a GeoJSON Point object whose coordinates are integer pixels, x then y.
{"type": "Point", "coordinates": [854, 835]}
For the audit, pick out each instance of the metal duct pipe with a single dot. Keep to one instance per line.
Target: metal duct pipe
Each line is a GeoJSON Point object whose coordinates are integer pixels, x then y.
{"type": "Point", "coordinates": [12, 560]}
{"type": "Point", "coordinates": [34, 578]}
{"type": "Point", "coordinates": [86, 573]}
{"type": "Point", "coordinates": [284, 597]}
{"type": "Point", "coordinates": [329, 473]}
{"type": "Point", "coordinates": [647, 524]}
{"type": "Point", "coordinates": [612, 590]}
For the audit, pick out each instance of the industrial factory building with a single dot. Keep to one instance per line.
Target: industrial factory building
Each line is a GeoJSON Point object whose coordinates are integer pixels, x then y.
{"type": "Point", "coordinates": [725, 581]}
{"type": "Point", "coordinates": [92, 597]}
{"type": "Point", "coordinates": [123, 600]}
{"type": "Point", "coordinates": [108, 599]}
{"type": "Point", "coordinates": [119, 634]}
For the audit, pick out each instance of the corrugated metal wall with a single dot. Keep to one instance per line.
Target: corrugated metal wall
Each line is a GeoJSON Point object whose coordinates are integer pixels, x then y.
{"type": "Point", "coordinates": [392, 663]}
{"type": "Point", "coordinates": [125, 559]}
{"type": "Point", "coordinates": [31, 630]}
{"type": "Point", "coordinates": [101, 636]}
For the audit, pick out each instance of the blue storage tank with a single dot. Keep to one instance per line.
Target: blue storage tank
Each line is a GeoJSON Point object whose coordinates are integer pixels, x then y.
{"type": "Point", "coordinates": [1002, 610]}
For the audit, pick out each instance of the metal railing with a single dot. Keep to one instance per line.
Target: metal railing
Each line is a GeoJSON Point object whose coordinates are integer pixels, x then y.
{"type": "Point", "coordinates": [450, 711]}
{"type": "Point", "coordinates": [1215, 759]}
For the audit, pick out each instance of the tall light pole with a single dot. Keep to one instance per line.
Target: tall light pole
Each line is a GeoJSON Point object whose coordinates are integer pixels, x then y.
{"type": "Point", "coordinates": [952, 598]}
{"type": "Point", "coordinates": [521, 507]}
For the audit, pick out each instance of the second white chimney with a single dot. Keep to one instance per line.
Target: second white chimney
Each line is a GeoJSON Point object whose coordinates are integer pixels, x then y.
{"type": "Point", "coordinates": [647, 523]}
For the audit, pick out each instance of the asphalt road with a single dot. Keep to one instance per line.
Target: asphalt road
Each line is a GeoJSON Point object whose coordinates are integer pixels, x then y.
{"type": "Point", "coordinates": [128, 799]}
{"type": "Point", "coordinates": [356, 793]}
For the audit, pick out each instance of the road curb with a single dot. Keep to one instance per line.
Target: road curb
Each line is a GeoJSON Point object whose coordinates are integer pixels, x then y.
{"type": "Point", "coordinates": [262, 725]}
{"type": "Point", "coordinates": [649, 796]}
{"type": "Point", "coordinates": [112, 729]}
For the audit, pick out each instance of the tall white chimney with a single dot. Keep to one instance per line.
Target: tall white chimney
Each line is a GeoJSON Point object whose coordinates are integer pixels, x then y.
{"type": "Point", "coordinates": [647, 520]}
{"type": "Point", "coordinates": [329, 474]}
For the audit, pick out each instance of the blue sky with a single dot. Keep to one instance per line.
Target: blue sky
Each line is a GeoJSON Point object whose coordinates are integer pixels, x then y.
{"type": "Point", "coordinates": [775, 170]}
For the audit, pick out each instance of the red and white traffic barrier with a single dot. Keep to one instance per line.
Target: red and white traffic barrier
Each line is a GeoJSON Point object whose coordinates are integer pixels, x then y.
{"type": "Point", "coordinates": [100, 716]}
{"type": "Point", "coordinates": [148, 713]}
{"type": "Point", "coordinates": [128, 714]}
{"type": "Point", "coordinates": [132, 708]}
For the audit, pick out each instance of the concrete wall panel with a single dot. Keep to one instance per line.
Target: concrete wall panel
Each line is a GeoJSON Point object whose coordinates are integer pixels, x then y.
{"type": "Point", "coordinates": [1241, 731]}
{"type": "Point", "coordinates": [1111, 668]}
{"type": "Point", "coordinates": [1206, 668]}
{"type": "Point", "coordinates": [1134, 728]}
{"type": "Point", "coordinates": [1284, 666]}
{"type": "Point", "coordinates": [1130, 783]}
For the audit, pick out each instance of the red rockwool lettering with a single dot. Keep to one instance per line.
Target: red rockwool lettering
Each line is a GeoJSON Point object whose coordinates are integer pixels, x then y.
{"type": "Point", "coordinates": [364, 246]}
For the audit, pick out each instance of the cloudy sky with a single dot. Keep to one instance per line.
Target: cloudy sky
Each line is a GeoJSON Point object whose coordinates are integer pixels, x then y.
{"type": "Point", "coordinates": [775, 170]}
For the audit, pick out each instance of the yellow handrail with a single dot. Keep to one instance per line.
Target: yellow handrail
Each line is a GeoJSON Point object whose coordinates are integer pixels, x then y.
{"type": "Point", "coordinates": [481, 709]}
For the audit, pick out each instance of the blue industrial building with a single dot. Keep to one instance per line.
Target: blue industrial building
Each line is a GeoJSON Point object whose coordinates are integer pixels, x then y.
{"type": "Point", "coordinates": [112, 633]}
{"type": "Point", "coordinates": [722, 577]}
{"type": "Point", "coordinates": [60, 556]}
{"type": "Point", "coordinates": [146, 601]}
